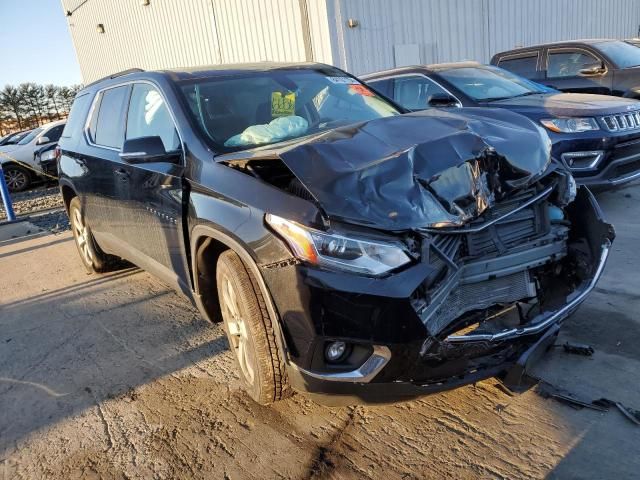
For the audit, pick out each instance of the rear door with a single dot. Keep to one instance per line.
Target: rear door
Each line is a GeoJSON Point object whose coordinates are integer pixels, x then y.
{"type": "Point", "coordinates": [154, 207]}
{"type": "Point", "coordinates": [97, 165]}
{"type": "Point", "coordinates": [563, 68]}
{"type": "Point", "coordinates": [526, 64]}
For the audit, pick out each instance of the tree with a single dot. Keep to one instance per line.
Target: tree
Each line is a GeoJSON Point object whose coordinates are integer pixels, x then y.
{"type": "Point", "coordinates": [11, 101]}
{"type": "Point", "coordinates": [29, 105]}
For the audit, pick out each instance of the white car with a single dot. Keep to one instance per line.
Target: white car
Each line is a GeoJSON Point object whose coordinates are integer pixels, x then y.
{"type": "Point", "coordinates": [18, 163]}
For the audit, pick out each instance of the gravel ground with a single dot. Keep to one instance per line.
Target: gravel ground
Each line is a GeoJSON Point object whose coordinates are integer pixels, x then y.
{"type": "Point", "coordinates": [31, 202]}
{"type": "Point", "coordinates": [117, 377]}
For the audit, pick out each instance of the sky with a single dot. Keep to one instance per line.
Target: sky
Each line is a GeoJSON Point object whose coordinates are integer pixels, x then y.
{"type": "Point", "coordinates": [36, 44]}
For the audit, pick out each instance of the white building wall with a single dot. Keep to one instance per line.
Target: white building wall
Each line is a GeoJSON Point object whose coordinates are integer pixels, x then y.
{"type": "Point", "coordinates": [180, 33]}
{"type": "Point", "coordinates": [454, 30]}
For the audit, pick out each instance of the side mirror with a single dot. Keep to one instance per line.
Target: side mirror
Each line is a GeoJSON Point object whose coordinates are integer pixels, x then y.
{"type": "Point", "coordinates": [42, 140]}
{"type": "Point", "coordinates": [147, 150]}
{"type": "Point", "coordinates": [442, 100]}
{"type": "Point", "coordinates": [593, 69]}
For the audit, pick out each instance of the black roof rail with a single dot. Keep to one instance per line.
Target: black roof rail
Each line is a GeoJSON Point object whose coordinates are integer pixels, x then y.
{"type": "Point", "coordinates": [116, 75]}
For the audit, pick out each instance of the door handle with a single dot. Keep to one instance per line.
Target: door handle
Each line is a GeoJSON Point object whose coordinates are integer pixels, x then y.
{"type": "Point", "coordinates": [122, 174]}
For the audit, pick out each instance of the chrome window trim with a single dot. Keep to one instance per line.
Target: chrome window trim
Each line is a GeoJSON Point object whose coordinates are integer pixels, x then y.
{"type": "Point", "coordinates": [414, 74]}
{"type": "Point", "coordinates": [97, 95]}
{"type": "Point", "coordinates": [571, 49]}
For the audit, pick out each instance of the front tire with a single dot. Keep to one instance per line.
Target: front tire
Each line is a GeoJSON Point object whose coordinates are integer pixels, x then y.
{"type": "Point", "coordinates": [93, 258]}
{"type": "Point", "coordinates": [250, 330]}
{"type": "Point", "coordinates": [16, 177]}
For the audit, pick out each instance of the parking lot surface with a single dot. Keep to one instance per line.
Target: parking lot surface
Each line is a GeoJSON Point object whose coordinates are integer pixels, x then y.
{"type": "Point", "coordinates": [116, 376]}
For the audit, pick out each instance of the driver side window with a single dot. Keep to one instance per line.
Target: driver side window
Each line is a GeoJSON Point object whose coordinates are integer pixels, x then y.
{"type": "Point", "coordinates": [568, 63]}
{"type": "Point", "coordinates": [413, 91]}
{"type": "Point", "coordinates": [150, 117]}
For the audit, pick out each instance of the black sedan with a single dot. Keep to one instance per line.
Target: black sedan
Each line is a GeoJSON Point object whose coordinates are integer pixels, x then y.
{"type": "Point", "coordinates": [596, 136]}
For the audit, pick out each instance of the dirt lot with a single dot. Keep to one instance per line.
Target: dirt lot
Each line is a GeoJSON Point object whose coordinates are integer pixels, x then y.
{"type": "Point", "coordinates": [116, 376]}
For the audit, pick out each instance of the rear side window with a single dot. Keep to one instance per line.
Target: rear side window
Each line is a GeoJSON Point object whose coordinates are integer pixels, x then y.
{"type": "Point", "coordinates": [568, 63]}
{"type": "Point", "coordinates": [149, 117]}
{"type": "Point", "coordinates": [77, 116]}
{"type": "Point", "coordinates": [107, 125]}
{"type": "Point", "coordinates": [522, 65]}
{"type": "Point", "coordinates": [54, 134]}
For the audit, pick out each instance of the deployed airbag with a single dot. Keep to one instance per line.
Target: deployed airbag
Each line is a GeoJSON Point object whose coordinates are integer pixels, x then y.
{"type": "Point", "coordinates": [276, 130]}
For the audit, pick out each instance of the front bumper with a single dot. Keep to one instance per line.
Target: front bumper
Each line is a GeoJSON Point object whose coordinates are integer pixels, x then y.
{"type": "Point", "coordinates": [620, 162]}
{"type": "Point", "coordinates": [406, 356]}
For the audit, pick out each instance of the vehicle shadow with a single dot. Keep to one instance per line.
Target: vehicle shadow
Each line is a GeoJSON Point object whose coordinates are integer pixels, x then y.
{"type": "Point", "coordinates": [72, 348]}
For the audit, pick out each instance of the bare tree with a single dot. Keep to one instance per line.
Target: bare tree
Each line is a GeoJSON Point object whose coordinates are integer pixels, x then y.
{"type": "Point", "coordinates": [11, 102]}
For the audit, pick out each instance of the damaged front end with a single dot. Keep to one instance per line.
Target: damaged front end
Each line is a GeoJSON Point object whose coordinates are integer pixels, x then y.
{"type": "Point", "coordinates": [501, 248]}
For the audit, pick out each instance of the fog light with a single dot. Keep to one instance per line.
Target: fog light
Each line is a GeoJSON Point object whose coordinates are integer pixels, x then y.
{"type": "Point", "coordinates": [335, 351]}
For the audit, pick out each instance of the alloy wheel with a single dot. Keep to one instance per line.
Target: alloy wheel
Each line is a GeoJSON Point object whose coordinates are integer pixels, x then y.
{"type": "Point", "coordinates": [82, 236]}
{"type": "Point", "coordinates": [15, 179]}
{"type": "Point", "coordinates": [238, 331]}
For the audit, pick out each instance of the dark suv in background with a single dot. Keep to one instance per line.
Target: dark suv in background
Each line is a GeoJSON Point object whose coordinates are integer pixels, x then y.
{"type": "Point", "coordinates": [607, 67]}
{"type": "Point", "coordinates": [349, 248]}
{"type": "Point", "coordinates": [596, 136]}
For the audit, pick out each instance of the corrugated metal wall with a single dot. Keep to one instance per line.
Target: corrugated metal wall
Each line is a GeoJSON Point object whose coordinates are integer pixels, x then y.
{"type": "Point", "coordinates": [180, 33]}
{"type": "Point", "coordinates": [453, 30]}
{"type": "Point", "coordinates": [176, 33]}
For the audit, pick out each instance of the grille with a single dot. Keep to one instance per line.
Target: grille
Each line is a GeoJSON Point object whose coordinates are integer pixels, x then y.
{"type": "Point", "coordinates": [476, 296]}
{"type": "Point", "coordinates": [622, 121]}
{"type": "Point", "coordinates": [526, 224]}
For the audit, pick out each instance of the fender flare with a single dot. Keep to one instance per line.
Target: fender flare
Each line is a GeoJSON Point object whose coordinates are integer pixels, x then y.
{"type": "Point", "coordinates": [201, 231]}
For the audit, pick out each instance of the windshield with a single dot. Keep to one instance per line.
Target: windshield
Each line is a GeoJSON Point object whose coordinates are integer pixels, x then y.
{"type": "Point", "coordinates": [622, 54]}
{"type": "Point", "coordinates": [32, 134]}
{"type": "Point", "coordinates": [491, 83]}
{"type": "Point", "coordinates": [260, 108]}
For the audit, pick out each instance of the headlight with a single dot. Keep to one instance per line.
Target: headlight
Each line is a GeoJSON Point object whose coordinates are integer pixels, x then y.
{"type": "Point", "coordinates": [338, 252]}
{"type": "Point", "coordinates": [570, 125]}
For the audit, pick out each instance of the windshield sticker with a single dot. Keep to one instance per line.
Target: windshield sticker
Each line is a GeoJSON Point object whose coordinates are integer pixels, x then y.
{"type": "Point", "coordinates": [360, 90]}
{"type": "Point", "coordinates": [283, 105]}
{"type": "Point", "coordinates": [343, 80]}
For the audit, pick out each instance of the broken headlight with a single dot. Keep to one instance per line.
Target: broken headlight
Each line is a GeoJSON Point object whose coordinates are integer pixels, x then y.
{"type": "Point", "coordinates": [337, 251]}
{"type": "Point", "coordinates": [570, 125]}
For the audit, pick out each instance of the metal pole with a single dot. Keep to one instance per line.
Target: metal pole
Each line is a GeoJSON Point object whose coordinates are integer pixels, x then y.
{"type": "Point", "coordinates": [6, 199]}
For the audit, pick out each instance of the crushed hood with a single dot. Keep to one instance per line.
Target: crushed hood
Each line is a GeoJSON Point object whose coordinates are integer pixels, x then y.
{"type": "Point", "coordinates": [568, 104]}
{"type": "Point", "coordinates": [425, 169]}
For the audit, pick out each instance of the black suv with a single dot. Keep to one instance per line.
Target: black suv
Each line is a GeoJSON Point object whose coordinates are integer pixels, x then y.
{"type": "Point", "coordinates": [349, 249]}
{"type": "Point", "coordinates": [607, 67]}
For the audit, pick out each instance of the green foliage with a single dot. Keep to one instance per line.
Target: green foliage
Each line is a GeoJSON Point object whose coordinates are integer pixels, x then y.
{"type": "Point", "coordinates": [29, 105]}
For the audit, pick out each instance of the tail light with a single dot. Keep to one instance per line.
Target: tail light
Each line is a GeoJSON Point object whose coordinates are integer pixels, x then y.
{"type": "Point", "coordinates": [58, 153]}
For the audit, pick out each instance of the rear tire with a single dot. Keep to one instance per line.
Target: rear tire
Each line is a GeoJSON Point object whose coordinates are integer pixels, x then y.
{"type": "Point", "coordinates": [249, 329]}
{"type": "Point", "coordinates": [93, 258]}
{"type": "Point", "coordinates": [17, 178]}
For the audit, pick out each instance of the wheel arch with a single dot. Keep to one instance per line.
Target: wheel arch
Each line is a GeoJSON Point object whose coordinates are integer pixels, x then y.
{"type": "Point", "coordinates": [207, 243]}
{"type": "Point", "coordinates": [68, 193]}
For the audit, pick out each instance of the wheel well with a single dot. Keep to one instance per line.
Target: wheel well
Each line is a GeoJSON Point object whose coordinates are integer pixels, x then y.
{"type": "Point", "coordinates": [206, 260]}
{"type": "Point", "coordinates": [67, 196]}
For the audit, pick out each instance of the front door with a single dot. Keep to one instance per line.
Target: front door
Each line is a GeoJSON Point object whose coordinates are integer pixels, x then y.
{"type": "Point", "coordinates": [153, 217]}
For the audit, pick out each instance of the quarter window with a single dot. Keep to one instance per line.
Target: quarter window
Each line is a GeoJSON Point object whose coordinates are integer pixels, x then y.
{"type": "Point", "coordinates": [150, 117]}
{"type": "Point", "coordinates": [524, 65]}
{"type": "Point", "coordinates": [106, 126]}
{"type": "Point", "coordinates": [568, 63]}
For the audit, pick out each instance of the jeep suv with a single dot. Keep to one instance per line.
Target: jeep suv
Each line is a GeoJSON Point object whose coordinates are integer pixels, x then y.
{"type": "Point", "coordinates": [349, 247]}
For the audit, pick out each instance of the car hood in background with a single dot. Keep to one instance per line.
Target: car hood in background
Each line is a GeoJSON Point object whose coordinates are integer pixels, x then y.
{"type": "Point", "coordinates": [567, 104]}
{"type": "Point", "coordinates": [425, 169]}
